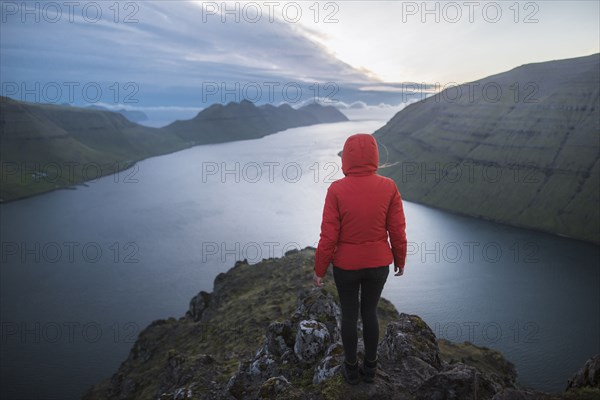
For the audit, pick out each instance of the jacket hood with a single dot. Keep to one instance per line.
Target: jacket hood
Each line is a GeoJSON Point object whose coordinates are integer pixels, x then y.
{"type": "Point", "coordinates": [360, 155]}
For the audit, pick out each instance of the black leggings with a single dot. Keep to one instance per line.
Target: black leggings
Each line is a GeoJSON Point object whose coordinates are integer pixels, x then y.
{"type": "Point", "coordinates": [370, 281]}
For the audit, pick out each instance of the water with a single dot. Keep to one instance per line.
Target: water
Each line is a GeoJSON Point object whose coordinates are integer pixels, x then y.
{"type": "Point", "coordinates": [83, 271]}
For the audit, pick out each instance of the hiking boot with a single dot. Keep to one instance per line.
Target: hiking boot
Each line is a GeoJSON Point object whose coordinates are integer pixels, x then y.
{"type": "Point", "coordinates": [368, 370]}
{"type": "Point", "coordinates": [350, 373]}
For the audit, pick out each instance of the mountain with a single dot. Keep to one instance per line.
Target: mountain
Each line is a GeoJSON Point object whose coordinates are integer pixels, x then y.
{"type": "Point", "coordinates": [132, 115]}
{"type": "Point", "coordinates": [521, 148]}
{"type": "Point", "coordinates": [239, 121]}
{"type": "Point", "coordinates": [265, 333]}
{"type": "Point", "coordinates": [46, 146]}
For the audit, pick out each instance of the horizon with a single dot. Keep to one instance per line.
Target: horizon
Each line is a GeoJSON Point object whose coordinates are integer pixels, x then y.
{"type": "Point", "coordinates": [357, 107]}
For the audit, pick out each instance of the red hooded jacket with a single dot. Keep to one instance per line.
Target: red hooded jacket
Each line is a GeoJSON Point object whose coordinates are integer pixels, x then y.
{"type": "Point", "coordinates": [360, 210]}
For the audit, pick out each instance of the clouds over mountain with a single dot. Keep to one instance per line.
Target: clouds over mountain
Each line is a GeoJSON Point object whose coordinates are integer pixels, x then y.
{"type": "Point", "coordinates": [172, 44]}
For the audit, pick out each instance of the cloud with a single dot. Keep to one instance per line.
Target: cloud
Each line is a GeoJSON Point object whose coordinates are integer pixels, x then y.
{"type": "Point", "coordinates": [169, 46]}
{"type": "Point", "coordinates": [174, 55]}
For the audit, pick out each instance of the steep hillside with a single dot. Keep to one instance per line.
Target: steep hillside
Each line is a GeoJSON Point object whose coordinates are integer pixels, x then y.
{"type": "Point", "coordinates": [45, 147]}
{"type": "Point", "coordinates": [50, 146]}
{"type": "Point", "coordinates": [521, 147]}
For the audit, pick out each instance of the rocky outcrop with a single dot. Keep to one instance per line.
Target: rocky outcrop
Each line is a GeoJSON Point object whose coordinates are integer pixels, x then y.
{"type": "Point", "coordinates": [281, 340]}
{"type": "Point", "coordinates": [587, 376]}
{"type": "Point", "coordinates": [410, 362]}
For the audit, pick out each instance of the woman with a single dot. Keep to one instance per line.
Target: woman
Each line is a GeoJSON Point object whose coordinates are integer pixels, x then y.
{"type": "Point", "coordinates": [360, 211]}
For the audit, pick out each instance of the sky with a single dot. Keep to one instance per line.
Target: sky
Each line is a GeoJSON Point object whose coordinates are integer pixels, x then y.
{"type": "Point", "coordinates": [179, 56]}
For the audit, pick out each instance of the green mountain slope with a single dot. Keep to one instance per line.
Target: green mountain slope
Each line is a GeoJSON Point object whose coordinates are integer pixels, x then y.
{"type": "Point", "coordinates": [521, 147]}
{"type": "Point", "coordinates": [45, 147]}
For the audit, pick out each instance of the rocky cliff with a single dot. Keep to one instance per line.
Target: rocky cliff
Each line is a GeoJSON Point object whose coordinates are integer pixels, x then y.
{"type": "Point", "coordinates": [265, 333]}
{"type": "Point", "coordinates": [521, 147]}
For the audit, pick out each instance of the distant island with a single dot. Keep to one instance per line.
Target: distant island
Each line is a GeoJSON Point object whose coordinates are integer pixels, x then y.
{"type": "Point", "coordinates": [46, 147]}
{"type": "Point", "coordinates": [132, 115]}
{"type": "Point", "coordinates": [521, 148]}
{"type": "Point", "coordinates": [265, 333]}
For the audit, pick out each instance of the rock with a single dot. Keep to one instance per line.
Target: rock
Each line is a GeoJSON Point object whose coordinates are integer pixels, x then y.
{"type": "Point", "coordinates": [292, 251]}
{"type": "Point", "coordinates": [330, 364]}
{"type": "Point", "coordinates": [312, 339]}
{"type": "Point", "coordinates": [319, 305]}
{"type": "Point", "coordinates": [179, 372]}
{"type": "Point", "coordinates": [515, 394]}
{"type": "Point", "coordinates": [121, 387]}
{"type": "Point", "coordinates": [198, 304]}
{"type": "Point", "coordinates": [411, 372]}
{"type": "Point", "coordinates": [279, 338]}
{"type": "Point", "coordinates": [410, 337]}
{"type": "Point", "coordinates": [587, 376]}
{"type": "Point", "coordinates": [178, 394]}
{"type": "Point", "coordinates": [289, 347]}
{"type": "Point", "coordinates": [382, 389]}
{"type": "Point", "coordinates": [486, 360]}
{"type": "Point", "coordinates": [240, 385]}
{"type": "Point", "coordinates": [274, 388]}
{"type": "Point", "coordinates": [458, 383]}
{"type": "Point", "coordinates": [262, 367]}
{"type": "Point", "coordinates": [251, 375]}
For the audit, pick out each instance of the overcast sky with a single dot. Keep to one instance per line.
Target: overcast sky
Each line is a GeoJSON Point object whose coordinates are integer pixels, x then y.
{"type": "Point", "coordinates": [174, 50]}
{"type": "Point", "coordinates": [458, 40]}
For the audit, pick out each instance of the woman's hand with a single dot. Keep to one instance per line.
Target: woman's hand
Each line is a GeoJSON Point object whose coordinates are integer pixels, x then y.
{"type": "Point", "coordinates": [317, 280]}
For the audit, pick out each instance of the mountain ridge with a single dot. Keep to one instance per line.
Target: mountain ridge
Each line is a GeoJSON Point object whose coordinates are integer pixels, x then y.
{"type": "Point", "coordinates": [219, 123]}
{"type": "Point", "coordinates": [132, 115]}
{"type": "Point", "coordinates": [48, 146]}
{"type": "Point", "coordinates": [529, 157]}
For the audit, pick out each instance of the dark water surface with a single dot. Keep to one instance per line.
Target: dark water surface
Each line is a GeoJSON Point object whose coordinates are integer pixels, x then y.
{"type": "Point", "coordinates": [83, 271]}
